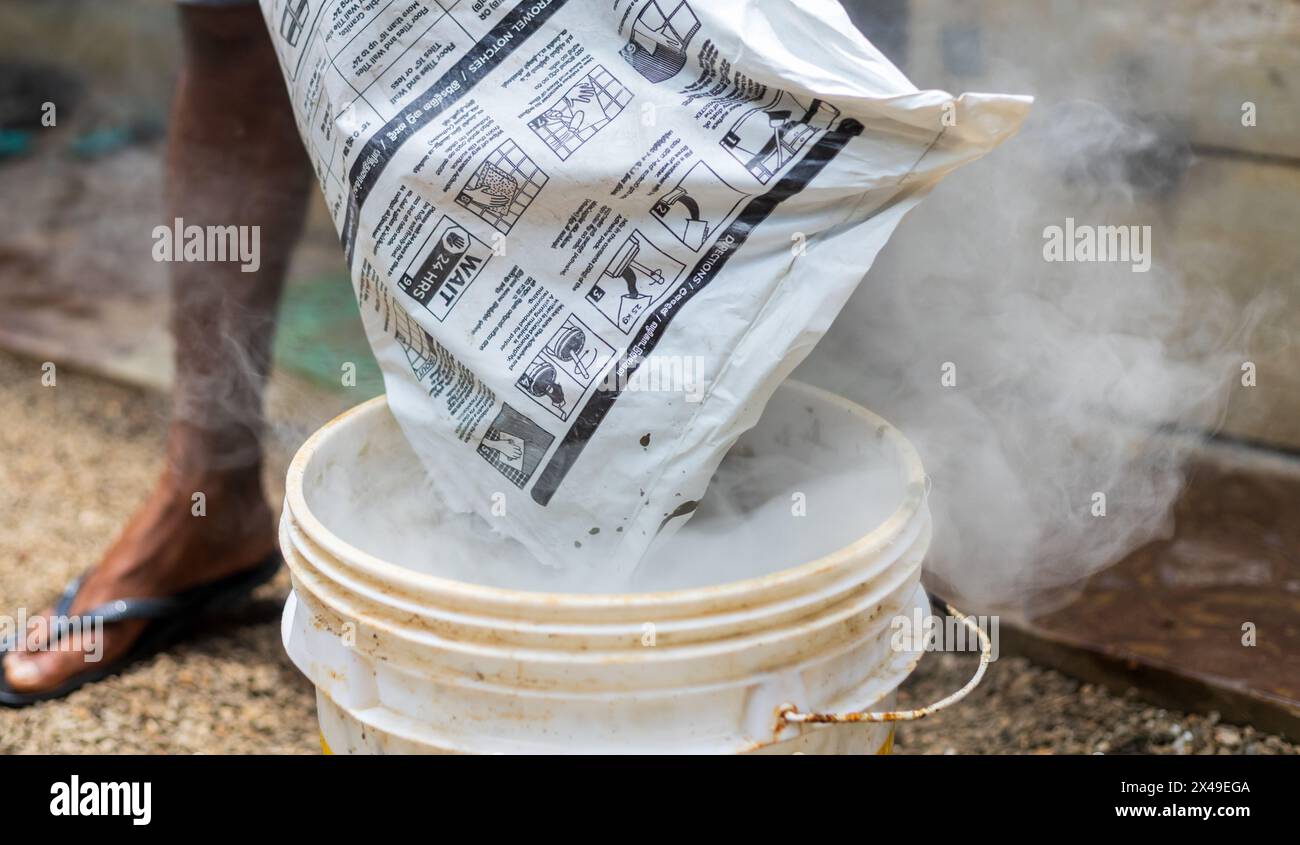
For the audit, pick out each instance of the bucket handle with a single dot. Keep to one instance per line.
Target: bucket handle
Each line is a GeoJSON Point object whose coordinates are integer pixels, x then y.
{"type": "Point", "coordinates": [788, 714]}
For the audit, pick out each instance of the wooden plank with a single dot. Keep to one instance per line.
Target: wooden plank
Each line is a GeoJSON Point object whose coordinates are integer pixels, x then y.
{"type": "Point", "coordinates": [1208, 619]}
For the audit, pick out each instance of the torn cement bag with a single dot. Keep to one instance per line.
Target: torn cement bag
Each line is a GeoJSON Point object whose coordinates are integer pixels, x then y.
{"type": "Point", "coordinates": [590, 237]}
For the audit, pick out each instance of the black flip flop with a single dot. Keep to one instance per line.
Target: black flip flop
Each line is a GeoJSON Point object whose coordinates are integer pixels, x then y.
{"type": "Point", "coordinates": [170, 619]}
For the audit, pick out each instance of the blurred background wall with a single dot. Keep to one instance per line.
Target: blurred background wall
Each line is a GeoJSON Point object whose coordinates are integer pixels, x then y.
{"type": "Point", "coordinates": [77, 282]}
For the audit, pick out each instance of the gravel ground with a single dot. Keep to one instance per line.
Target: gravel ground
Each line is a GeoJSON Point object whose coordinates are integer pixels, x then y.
{"type": "Point", "coordinates": [1024, 708]}
{"type": "Point", "coordinates": [75, 459]}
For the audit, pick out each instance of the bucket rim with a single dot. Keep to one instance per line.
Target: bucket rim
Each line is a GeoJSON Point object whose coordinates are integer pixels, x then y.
{"type": "Point", "coordinates": [910, 507]}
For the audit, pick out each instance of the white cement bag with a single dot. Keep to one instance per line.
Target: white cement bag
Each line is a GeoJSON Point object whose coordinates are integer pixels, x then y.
{"type": "Point", "coordinates": [590, 237]}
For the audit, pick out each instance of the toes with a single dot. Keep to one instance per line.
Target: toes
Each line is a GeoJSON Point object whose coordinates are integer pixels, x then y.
{"type": "Point", "coordinates": [37, 670]}
{"type": "Point", "coordinates": [32, 671]}
{"type": "Point", "coordinates": [19, 672]}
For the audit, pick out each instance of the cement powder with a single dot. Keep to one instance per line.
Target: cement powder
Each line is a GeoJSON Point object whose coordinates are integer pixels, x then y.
{"type": "Point", "coordinates": [745, 526]}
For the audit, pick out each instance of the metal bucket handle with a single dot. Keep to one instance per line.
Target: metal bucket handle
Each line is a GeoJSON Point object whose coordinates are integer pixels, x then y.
{"type": "Point", "coordinates": [790, 713]}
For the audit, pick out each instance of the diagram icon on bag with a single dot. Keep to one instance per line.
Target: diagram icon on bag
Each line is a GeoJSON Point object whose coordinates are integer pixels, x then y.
{"type": "Point", "coordinates": [657, 44]}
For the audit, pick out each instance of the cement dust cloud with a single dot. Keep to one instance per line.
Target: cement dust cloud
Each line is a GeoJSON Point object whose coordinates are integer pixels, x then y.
{"type": "Point", "coordinates": [1062, 374]}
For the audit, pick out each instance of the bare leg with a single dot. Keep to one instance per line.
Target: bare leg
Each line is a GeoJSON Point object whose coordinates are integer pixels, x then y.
{"type": "Point", "coordinates": [233, 158]}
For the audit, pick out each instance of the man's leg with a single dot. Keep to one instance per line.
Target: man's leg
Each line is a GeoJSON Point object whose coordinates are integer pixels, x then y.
{"type": "Point", "coordinates": [233, 158]}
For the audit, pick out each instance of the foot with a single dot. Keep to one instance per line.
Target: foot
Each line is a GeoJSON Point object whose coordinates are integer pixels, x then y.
{"type": "Point", "coordinates": [166, 548]}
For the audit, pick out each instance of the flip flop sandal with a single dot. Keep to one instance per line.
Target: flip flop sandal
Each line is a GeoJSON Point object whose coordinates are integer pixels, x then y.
{"type": "Point", "coordinates": [170, 619]}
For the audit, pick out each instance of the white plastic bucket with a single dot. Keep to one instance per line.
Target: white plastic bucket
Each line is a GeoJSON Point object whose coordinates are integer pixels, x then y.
{"type": "Point", "coordinates": [407, 662]}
